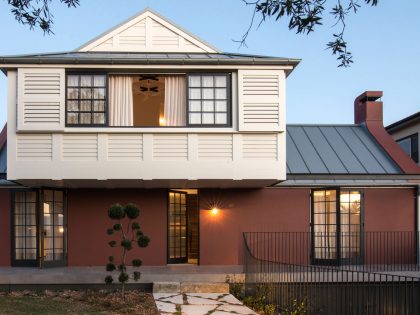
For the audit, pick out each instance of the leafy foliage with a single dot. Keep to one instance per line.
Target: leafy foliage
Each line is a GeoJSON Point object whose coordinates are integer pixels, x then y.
{"type": "Point", "coordinates": [36, 13]}
{"type": "Point", "coordinates": [297, 308]}
{"type": "Point", "coordinates": [305, 15]}
{"type": "Point", "coordinates": [259, 301]}
{"type": "Point", "coordinates": [129, 237]}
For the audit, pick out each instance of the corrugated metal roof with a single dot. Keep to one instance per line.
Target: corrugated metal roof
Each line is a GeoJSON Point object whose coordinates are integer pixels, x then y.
{"type": "Point", "coordinates": [340, 149]}
{"type": "Point", "coordinates": [72, 57]}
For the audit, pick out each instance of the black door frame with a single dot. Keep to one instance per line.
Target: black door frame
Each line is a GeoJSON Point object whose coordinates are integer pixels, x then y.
{"type": "Point", "coordinates": [39, 261]}
{"type": "Point", "coordinates": [53, 263]}
{"type": "Point", "coordinates": [23, 262]}
{"type": "Point", "coordinates": [338, 260]}
{"type": "Point", "coordinates": [180, 260]}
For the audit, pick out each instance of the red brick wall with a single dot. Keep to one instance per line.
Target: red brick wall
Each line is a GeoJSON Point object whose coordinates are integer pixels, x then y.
{"type": "Point", "coordinates": [88, 222]}
{"type": "Point", "coordinates": [5, 255]}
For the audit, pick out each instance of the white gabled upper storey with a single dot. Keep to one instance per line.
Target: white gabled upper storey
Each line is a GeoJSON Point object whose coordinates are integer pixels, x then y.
{"type": "Point", "coordinates": [147, 32]}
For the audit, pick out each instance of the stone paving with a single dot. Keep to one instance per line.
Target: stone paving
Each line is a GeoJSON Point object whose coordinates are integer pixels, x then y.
{"type": "Point", "coordinates": [200, 304]}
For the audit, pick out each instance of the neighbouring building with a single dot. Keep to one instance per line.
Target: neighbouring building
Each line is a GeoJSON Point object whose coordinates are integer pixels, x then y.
{"type": "Point", "coordinates": [150, 114]}
{"type": "Point", "coordinates": [406, 133]}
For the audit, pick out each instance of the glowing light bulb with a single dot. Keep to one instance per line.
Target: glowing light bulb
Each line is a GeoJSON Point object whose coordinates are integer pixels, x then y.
{"type": "Point", "coordinates": [214, 211]}
{"type": "Point", "coordinates": [162, 121]}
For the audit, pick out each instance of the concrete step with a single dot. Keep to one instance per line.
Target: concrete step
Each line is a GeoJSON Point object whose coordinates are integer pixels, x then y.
{"type": "Point", "coordinates": [190, 287]}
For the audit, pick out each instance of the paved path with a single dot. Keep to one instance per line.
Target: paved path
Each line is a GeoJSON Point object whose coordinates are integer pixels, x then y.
{"type": "Point", "coordinates": [200, 304]}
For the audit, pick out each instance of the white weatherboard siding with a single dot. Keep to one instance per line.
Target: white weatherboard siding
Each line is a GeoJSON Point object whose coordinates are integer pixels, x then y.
{"type": "Point", "coordinates": [183, 157]}
{"type": "Point", "coordinates": [147, 32]}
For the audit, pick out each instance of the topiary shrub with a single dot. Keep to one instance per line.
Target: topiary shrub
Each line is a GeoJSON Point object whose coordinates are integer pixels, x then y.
{"type": "Point", "coordinates": [129, 237]}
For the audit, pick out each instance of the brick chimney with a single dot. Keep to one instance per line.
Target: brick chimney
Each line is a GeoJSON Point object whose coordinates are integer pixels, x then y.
{"type": "Point", "coordinates": [368, 111]}
{"type": "Point", "coordinates": [366, 107]}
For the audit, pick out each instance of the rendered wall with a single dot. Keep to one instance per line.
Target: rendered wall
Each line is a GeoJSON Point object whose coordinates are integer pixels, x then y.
{"type": "Point", "coordinates": [5, 255]}
{"type": "Point", "coordinates": [88, 220]}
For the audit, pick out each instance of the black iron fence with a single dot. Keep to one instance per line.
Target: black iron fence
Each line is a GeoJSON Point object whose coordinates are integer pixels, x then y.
{"type": "Point", "coordinates": [288, 267]}
{"type": "Point", "coordinates": [368, 251]}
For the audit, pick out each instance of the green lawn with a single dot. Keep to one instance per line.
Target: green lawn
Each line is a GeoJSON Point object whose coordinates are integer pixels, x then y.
{"type": "Point", "coordinates": [74, 302]}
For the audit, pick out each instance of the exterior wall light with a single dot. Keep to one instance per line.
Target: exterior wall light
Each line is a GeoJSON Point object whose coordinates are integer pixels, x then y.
{"type": "Point", "coordinates": [214, 211]}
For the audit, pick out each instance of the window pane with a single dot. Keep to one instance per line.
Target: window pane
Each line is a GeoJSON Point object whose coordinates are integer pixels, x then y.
{"type": "Point", "coordinates": [99, 80]}
{"type": "Point", "coordinates": [207, 81]}
{"type": "Point", "coordinates": [72, 80]}
{"type": "Point", "coordinates": [73, 93]}
{"type": "Point", "coordinates": [99, 93]}
{"type": "Point", "coordinates": [85, 93]}
{"type": "Point", "coordinates": [85, 118]}
{"type": "Point", "coordinates": [194, 81]}
{"type": "Point", "coordinates": [208, 106]}
{"type": "Point", "coordinates": [220, 81]}
{"type": "Point", "coordinates": [99, 106]}
{"type": "Point", "coordinates": [195, 106]}
{"type": "Point", "coordinates": [208, 118]}
{"type": "Point", "coordinates": [195, 118]}
{"type": "Point", "coordinates": [98, 118]}
{"type": "Point", "coordinates": [221, 106]}
{"type": "Point", "coordinates": [85, 80]}
{"type": "Point", "coordinates": [72, 118]}
{"type": "Point", "coordinates": [195, 94]}
{"type": "Point", "coordinates": [221, 119]}
{"type": "Point", "coordinates": [220, 94]}
{"type": "Point", "coordinates": [72, 106]}
{"type": "Point", "coordinates": [85, 106]}
{"type": "Point", "coordinates": [208, 94]}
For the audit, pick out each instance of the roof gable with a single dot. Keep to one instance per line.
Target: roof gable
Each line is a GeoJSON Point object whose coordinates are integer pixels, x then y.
{"type": "Point", "coordinates": [147, 32]}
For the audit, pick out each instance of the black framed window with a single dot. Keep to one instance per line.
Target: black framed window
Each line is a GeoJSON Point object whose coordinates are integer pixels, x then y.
{"type": "Point", "coordinates": [209, 100]}
{"type": "Point", "coordinates": [410, 145]}
{"type": "Point", "coordinates": [86, 99]}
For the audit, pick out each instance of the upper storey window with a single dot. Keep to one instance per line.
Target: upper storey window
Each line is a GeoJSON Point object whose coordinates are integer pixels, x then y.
{"type": "Point", "coordinates": [208, 100]}
{"type": "Point", "coordinates": [410, 146]}
{"type": "Point", "coordinates": [148, 100]}
{"type": "Point", "coordinates": [86, 100]}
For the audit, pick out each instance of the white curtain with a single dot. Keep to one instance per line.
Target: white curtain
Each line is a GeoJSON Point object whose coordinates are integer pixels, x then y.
{"type": "Point", "coordinates": [120, 100]}
{"type": "Point", "coordinates": [175, 101]}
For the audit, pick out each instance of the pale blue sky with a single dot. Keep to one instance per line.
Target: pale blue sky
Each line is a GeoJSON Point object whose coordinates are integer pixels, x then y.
{"type": "Point", "coordinates": [384, 41]}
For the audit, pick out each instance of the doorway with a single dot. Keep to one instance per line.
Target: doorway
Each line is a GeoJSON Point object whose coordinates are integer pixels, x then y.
{"type": "Point", "coordinates": [336, 227]}
{"type": "Point", "coordinates": [183, 226]}
{"type": "Point", "coordinates": [39, 228]}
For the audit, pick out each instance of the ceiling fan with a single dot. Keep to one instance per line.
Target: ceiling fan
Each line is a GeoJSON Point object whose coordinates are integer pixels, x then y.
{"type": "Point", "coordinates": [145, 87]}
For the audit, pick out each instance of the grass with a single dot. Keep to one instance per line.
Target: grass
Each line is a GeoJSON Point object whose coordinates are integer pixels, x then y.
{"type": "Point", "coordinates": [76, 302]}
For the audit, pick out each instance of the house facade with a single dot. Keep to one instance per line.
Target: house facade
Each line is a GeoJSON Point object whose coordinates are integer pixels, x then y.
{"type": "Point", "coordinates": [148, 113]}
{"type": "Point", "coordinates": [406, 133]}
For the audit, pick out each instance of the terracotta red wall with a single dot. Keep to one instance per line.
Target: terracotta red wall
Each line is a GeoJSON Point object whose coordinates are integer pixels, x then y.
{"type": "Point", "coordinates": [5, 227]}
{"type": "Point", "coordinates": [247, 210]}
{"type": "Point", "coordinates": [88, 222]}
{"type": "Point", "coordinates": [389, 209]}
{"type": "Point", "coordinates": [390, 226]}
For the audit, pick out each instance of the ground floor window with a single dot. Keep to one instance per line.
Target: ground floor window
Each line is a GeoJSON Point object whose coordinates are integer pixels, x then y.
{"type": "Point", "coordinates": [39, 228]}
{"type": "Point", "coordinates": [336, 226]}
{"type": "Point", "coordinates": [183, 226]}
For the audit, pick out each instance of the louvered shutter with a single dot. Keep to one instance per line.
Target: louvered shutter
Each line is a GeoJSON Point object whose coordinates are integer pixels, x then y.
{"type": "Point", "coordinates": [41, 99]}
{"type": "Point", "coordinates": [261, 100]}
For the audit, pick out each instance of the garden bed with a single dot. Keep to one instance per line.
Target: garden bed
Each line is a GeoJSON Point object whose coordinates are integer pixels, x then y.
{"type": "Point", "coordinates": [77, 302]}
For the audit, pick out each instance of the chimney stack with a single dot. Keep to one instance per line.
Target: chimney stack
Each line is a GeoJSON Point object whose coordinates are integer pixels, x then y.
{"type": "Point", "coordinates": [367, 108]}
{"type": "Point", "coordinates": [368, 111]}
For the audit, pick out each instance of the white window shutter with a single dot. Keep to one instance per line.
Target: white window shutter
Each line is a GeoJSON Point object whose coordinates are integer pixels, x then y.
{"type": "Point", "coordinates": [41, 99]}
{"type": "Point", "coordinates": [261, 97]}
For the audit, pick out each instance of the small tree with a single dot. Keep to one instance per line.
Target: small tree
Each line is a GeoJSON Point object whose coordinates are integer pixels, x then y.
{"type": "Point", "coordinates": [130, 235]}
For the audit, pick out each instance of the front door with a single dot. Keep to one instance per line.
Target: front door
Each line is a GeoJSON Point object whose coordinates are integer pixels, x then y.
{"type": "Point", "coordinates": [39, 228]}
{"type": "Point", "coordinates": [177, 227]}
